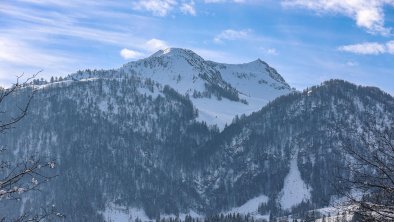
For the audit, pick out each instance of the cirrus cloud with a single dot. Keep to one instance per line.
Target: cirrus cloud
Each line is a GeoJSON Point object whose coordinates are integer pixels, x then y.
{"type": "Point", "coordinates": [368, 14]}
{"type": "Point", "coordinates": [369, 48]}
{"type": "Point", "coordinates": [130, 54]}
{"type": "Point", "coordinates": [223, 1]}
{"type": "Point", "coordinates": [157, 7]}
{"type": "Point", "coordinates": [231, 34]}
{"type": "Point", "coordinates": [188, 8]}
{"type": "Point", "coordinates": [164, 7]}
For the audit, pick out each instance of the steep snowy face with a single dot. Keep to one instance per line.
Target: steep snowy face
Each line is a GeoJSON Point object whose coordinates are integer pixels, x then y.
{"type": "Point", "coordinates": [256, 82]}
{"type": "Point", "coordinates": [218, 91]}
{"type": "Point", "coordinates": [178, 68]}
{"type": "Point", "coordinates": [252, 79]}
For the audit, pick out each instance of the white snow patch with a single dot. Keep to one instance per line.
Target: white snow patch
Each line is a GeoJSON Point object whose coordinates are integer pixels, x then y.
{"type": "Point", "coordinates": [222, 112]}
{"type": "Point", "coordinates": [251, 206]}
{"type": "Point", "coordinates": [117, 213]}
{"type": "Point", "coordinates": [182, 216]}
{"type": "Point", "coordinates": [294, 190]}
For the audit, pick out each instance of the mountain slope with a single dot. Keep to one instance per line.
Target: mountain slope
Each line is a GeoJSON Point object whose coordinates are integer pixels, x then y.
{"type": "Point", "coordinates": [123, 141]}
{"type": "Point", "coordinates": [290, 150]}
{"type": "Point", "coordinates": [218, 91]}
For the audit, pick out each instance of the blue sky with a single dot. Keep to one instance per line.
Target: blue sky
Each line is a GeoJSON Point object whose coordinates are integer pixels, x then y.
{"type": "Point", "coordinates": [307, 41]}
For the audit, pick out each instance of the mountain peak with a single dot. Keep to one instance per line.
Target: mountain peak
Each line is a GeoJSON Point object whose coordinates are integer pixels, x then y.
{"type": "Point", "coordinates": [176, 52]}
{"type": "Point", "coordinates": [259, 60]}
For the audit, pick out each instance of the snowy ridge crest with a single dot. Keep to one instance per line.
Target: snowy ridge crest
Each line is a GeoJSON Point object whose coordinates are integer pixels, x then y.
{"type": "Point", "coordinates": [176, 52]}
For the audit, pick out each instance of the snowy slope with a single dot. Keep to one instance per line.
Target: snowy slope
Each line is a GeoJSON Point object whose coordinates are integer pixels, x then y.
{"type": "Point", "coordinates": [116, 213]}
{"type": "Point", "coordinates": [256, 82]}
{"type": "Point", "coordinates": [294, 190]}
{"type": "Point", "coordinates": [251, 206]}
{"type": "Point", "coordinates": [174, 67]}
{"type": "Point", "coordinates": [218, 91]}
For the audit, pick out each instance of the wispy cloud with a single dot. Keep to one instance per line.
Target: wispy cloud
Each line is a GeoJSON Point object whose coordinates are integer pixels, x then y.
{"type": "Point", "coordinates": [223, 1]}
{"type": "Point", "coordinates": [17, 57]}
{"type": "Point", "coordinates": [369, 48]}
{"type": "Point", "coordinates": [188, 8]}
{"type": "Point", "coordinates": [351, 63]}
{"type": "Point", "coordinates": [272, 51]}
{"type": "Point", "coordinates": [390, 47]}
{"type": "Point", "coordinates": [130, 54]}
{"type": "Point", "coordinates": [149, 47]}
{"type": "Point", "coordinates": [165, 7]}
{"type": "Point", "coordinates": [50, 24]}
{"type": "Point", "coordinates": [154, 45]}
{"type": "Point", "coordinates": [231, 34]}
{"type": "Point", "coordinates": [18, 53]}
{"type": "Point", "coordinates": [157, 7]}
{"type": "Point", "coordinates": [368, 14]}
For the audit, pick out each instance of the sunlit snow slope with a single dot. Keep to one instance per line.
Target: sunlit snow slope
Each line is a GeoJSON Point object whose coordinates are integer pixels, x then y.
{"type": "Point", "coordinates": [218, 91]}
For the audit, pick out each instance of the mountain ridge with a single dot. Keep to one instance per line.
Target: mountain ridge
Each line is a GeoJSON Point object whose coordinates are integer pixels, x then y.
{"type": "Point", "coordinates": [219, 91]}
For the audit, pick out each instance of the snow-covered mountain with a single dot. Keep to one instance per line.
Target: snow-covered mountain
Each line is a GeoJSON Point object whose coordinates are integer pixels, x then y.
{"type": "Point", "coordinates": [130, 142]}
{"type": "Point", "coordinates": [219, 91]}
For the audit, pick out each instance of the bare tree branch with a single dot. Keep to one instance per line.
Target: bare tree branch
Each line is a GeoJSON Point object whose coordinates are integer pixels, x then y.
{"type": "Point", "coordinates": [18, 178]}
{"type": "Point", "coordinates": [369, 171]}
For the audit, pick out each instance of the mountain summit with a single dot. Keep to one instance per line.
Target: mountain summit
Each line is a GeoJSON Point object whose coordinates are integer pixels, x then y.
{"type": "Point", "coordinates": [177, 52]}
{"type": "Point", "coordinates": [219, 91]}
